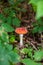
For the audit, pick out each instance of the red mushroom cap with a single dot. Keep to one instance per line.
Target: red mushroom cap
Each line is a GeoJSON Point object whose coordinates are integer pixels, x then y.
{"type": "Point", "coordinates": [21, 30]}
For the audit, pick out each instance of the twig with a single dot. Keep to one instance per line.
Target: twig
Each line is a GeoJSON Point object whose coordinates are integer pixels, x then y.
{"type": "Point", "coordinates": [32, 44]}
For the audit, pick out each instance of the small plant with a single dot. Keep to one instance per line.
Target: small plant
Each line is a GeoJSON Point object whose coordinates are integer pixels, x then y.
{"type": "Point", "coordinates": [38, 25]}
{"type": "Point", "coordinates": [29, 62]}
{"type": "Point", "coordinates": [12, 39]}
{"type": "Point", "coordinates": [28, 52]}
{"type": "Point", "coordinates": [32, 56]}
{"type": "Point", "coordinates": [8, 20]}
{"type": "Point", "coordinates": [7, 55]}
{"type": "Point", "coordinates": [38, 56]}
{"type": "Point", "coordinates": [38, 7]}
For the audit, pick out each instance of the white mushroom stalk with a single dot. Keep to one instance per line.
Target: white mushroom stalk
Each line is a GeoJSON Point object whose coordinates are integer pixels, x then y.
{"type": "Point", "coordinates": [21, 40]}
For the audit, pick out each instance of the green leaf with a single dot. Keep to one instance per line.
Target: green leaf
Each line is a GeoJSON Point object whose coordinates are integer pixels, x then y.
{"type": "Point", "coordinates": [12, 13]}
{"type": "Point", "coordinates": [11, 2]}
{"type": "Point", "coordinates": [16, 22]}
{"type": "Point", "coordinates": [38, 55]}
{"type": "Point", "coordinates": [5, 37]}
{"type": "Point", "coordinates": [40, 22]}
{"type": "Point", "coordinates": [9, 20]}
{"type": "Point", "coordinates": [7, 27]}
{"type": "Point", "coordinates": [12, 38]}
{"type": "Point", "coordinates": [40, 29]}
{"type": "Point", "coordinates": [7, 55]}
{"type": "Point", "coordinates": [24, 51]}
{"type": "Point", "coordinates": [6, 10]}
{"type": "Point", "coordinates": [14, 57]}
{"type": "Point", "coordinates": [16, 50]}
{"type": "Point", "coordinates": [39, 7]}
{"type": "Point", "coordinates": [3, 55]}
{"type": "Point", "coordinates": [3, 60]}
{"type": "Point", "coordinates": [35, 29]}
{"type": "Point", "coordinates": [2, 18]}
{"type": "Point", "coordinates": [30, 54]}
{"type": "Point", "coordinates": [34, 2]}
{"type": "Point", "coordinates": [39, 12]}
{"type": "Point", "coordinates": [8, 47]}
{"type": "Point", "coordinates": [30, 62]}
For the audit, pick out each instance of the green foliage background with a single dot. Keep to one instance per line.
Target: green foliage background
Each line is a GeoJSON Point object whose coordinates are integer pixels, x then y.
{"type": "Point", "coordinates": [8, 22]}
{"type": "Point", "coordinates": [8, 19]}
{"type": "Point", "coordinates": [38, 8]}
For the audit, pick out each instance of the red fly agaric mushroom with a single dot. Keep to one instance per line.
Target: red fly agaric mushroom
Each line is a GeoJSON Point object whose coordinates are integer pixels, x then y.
{"type": "Point", "coordinates": [21, 31]}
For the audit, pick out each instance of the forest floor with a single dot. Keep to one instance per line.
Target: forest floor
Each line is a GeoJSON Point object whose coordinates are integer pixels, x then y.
{"type": "Point", "coordinates": [27, 18]}
{"type": "Point", "coordinates": [34, 40]}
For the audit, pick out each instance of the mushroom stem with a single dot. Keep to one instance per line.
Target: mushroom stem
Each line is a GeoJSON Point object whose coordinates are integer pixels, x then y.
{"type": "Point", "coordinates": [21, 40]}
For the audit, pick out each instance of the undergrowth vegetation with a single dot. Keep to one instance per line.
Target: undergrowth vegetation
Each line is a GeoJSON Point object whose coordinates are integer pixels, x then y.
{"type": "Point", "coordinates": [10, 18]}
